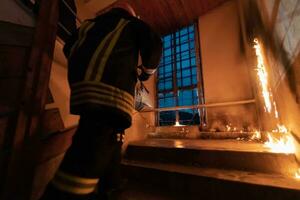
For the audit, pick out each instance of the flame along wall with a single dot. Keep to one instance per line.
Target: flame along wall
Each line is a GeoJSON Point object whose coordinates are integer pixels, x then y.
{"type": "Point", "coordinates": [275, 24]}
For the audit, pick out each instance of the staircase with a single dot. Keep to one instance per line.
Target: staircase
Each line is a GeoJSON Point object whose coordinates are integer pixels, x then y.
{"type": "Point", "coordinates": [208, 169]}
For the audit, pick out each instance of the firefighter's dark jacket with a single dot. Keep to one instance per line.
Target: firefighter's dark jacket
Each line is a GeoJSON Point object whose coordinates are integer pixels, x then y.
{"type": "Point", "coordinates": [102, 64]}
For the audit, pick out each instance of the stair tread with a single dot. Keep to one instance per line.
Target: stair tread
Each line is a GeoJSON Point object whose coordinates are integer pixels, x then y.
{"type": "Point", "coordinates": [262, 179]}
{"type": "Point", "coordinates": [221, 145]}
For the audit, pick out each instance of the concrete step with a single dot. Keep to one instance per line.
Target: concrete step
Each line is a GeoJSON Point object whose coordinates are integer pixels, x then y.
{"type": "Point", "coordinates": [220, 154]}
{"type": "Point", "coordinates": [149, 180]}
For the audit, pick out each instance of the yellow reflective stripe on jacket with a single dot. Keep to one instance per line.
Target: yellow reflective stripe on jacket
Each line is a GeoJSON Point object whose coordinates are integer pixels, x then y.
{"type": "Point", "coordinates": [74, 184]}
{"type": "Point", "coordinates": [100, 48]}
{"type": "Point", "coordinates": [72, 189]}
{"type": "Point", "coordinates": [93, 95]}
{"type": "Point", "coordinates": [76, 178]}
{"type": "Point", "coordinates": [82, 35]}
{"type": "Point", "coordinates": [104, 103]}
{"type": "Point", "coordinates": [104, 86]}
{"type": "Point", "coordinates": [113, 94]}
{"type": "Point", "coordinates": [108, 52]}
{"type": "Point", "coordinates": [101, 99]}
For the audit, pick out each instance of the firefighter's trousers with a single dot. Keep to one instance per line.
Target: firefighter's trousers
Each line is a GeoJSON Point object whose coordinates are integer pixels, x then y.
{"type": "Point", "coordinates": [92, 161]}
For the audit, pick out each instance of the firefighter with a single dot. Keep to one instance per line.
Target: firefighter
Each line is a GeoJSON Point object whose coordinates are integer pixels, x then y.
{"type": "Point", "coordinates": [102, 73]}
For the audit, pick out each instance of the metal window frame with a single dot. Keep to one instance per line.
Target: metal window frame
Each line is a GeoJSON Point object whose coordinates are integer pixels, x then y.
{"type": "Point", "coordinates": [174, 59]}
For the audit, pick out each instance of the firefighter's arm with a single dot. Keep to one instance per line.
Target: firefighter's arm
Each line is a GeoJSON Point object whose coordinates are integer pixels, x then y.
{"type": "Point", "coordinates": [150, 45]}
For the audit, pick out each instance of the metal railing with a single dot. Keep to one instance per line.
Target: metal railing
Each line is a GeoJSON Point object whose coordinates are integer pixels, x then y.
{"type": "Point", "coordinates": [208, 105]}
{"type": "Point", "coordinates": [73, 13]}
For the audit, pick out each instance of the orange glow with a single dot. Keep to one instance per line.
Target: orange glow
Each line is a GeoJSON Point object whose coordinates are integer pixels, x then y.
{"type": "Point", "coordinates": [256, 136]}
{"type": "Point", "coordinates": [179, 144]}
{"type": "Point", "coordinates": [228, 128]}
{"type": "Point", "coordinates": [263, 77]}
{"type": "Point", "coordinates": [297, 174]}
{"type": "Point", "coordinates": [285, 143]}
{"type": "Point", "coordinates": [178, 124]}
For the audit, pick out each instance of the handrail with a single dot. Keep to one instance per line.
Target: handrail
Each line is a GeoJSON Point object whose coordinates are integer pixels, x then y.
{"type": "Point", "coordinates": [64, 28]}
{"type": "Point", "coordinates": [72, 11]}
{"type": "Point", "coordinates": [209, 105]}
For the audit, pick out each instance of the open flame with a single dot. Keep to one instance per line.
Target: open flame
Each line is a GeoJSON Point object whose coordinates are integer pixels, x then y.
{"type": "Point", "coordinates": [297, 174]}
{"type": "Point", "coordinates": [256, 136]}
{"type": "Point", "coordinates": [285, 142]}
{"type": "Point", "coordinates": [178, 124]}
{"type": "Point", "coordinates": [263, 77]}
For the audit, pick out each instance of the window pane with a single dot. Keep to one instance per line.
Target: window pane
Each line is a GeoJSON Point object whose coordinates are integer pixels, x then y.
{"type": "Point", "coordinates": [167, 59]}
{"type": "Point", "coordinates": [194, 79]}
{"type": "Point", "coordinates": [194, 71]}
{"type": "Point", "coordinates": [167, 118]}
{"type": "Point", "coordinates": [177, 49]}
{"type": "Point", "coordinates": [168, 37]}
{"type": "Point", "coordinates": [185, 55]}
{"type": "Point", "coordinates": [193, 61]}
{"type": "Point", "coordinates": [161, 86]}
{"type": "Point", "coordinates": [184, 47]}
{"type": "Point", "coordinates": [184, 38]}
{"type": "Point", "coordinates": [191, 35]}
{"type": "Point", "coordinates": [183, 31]}
{"type": "Point", "coordinates": [185, 63]}
{"type": "Point", "coordinates": [168, 85]}
{"type": "Point", "coordinates": [186, 73]}
{"type": "Point", "coordinates": [178, 66]}
{"type": "Point", "coordinates": [192, 45]}
{"type": "Point", "coordinates": [161, 103]}
{"type": "Point", "coordinates": [179, 83]}
{"type": "Point", "coordinates": [168, 68]}
{"type": "Point", "coordinates": [167, 43]}
{"type": "Point", "coordinates": [167, 52]}
{"type": "Point", "coordinates": [189, 117]}
{"type": "Point", "coordinates": [186, 82]}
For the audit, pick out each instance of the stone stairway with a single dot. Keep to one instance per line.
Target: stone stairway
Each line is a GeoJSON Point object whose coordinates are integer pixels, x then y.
{"type": "Point", "coordinates": [208, 169]}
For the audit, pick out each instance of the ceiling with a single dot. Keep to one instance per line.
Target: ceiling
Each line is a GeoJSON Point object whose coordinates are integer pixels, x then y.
{"type": "Point", "coordinates": [164, 16]}
{"type": "Point", "coordinates": [88, 8]}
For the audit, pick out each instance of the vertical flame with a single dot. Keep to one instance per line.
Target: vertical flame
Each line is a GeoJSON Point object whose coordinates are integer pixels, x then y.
{"type": "Point", "coordinates": [263, 77]}
{"type": "Point", "coordinates": [285, 142]}
{"type": "Point", "coordinates": [297, 174]}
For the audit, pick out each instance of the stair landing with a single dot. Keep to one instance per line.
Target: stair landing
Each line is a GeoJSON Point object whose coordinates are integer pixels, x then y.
{"type": "Point", "coordinates": [221, 154]}
{"type": "Point", "coordinates": [208, 169]}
